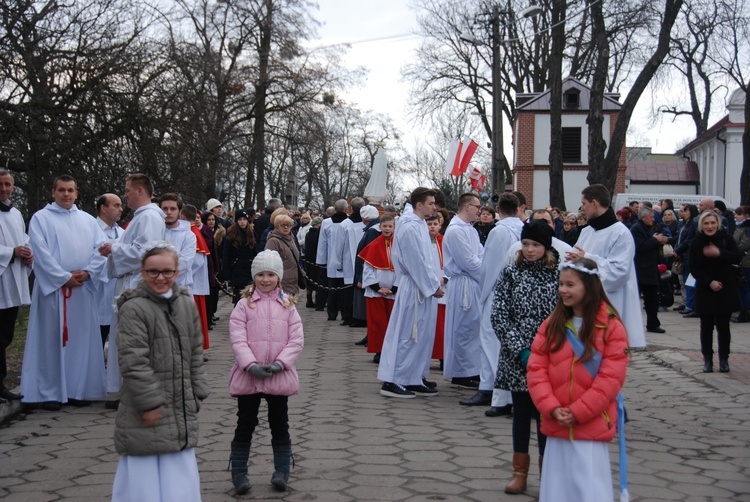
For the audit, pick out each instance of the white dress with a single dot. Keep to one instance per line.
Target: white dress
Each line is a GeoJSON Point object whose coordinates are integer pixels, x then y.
{"type": "Point", "coordinates": [576, 471]}
{"type": "Point", "coordinates": [167, 477]}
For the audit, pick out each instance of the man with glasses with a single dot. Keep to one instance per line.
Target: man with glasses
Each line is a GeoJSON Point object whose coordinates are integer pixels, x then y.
{"type": "Point", "coordinates": [462, 255]}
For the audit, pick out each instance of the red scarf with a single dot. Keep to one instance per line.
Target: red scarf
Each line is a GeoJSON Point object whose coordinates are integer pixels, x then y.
{"type": "Point", "coordinates": [377, 254]}
{"type": "Point", "coordinates": [439, 241]}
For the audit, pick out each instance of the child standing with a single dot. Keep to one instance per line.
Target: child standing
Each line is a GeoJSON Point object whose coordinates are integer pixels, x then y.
{"type": "Point", "coordinates": [577, 367]}
{"type": "Point", "coordinates": [524, 298]}
{"type": "Point", "coordinates": [266, 334]}
{"type": "Point", "coordinates": [161, 357]}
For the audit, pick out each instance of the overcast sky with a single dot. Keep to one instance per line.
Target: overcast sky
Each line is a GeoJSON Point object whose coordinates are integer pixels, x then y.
{"type": "Point", "coordinates": [353, 21]}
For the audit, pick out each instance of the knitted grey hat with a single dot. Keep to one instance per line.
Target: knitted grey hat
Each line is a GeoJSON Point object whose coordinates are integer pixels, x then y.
{"type": "Point", "coordinates": [268, 261]}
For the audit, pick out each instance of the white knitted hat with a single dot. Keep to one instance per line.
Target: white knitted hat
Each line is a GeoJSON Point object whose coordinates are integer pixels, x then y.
{"type": "Point", "coordinates": [369, 213]}
{"type": "Point", "coordinates": [268, 261]}
{"type": "Point", "coordinates": [212, 203]}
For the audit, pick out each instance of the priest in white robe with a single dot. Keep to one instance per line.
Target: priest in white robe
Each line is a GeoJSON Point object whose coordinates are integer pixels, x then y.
{"type": "Point", "coordinates": [63, 360]}
{"type": "Point", "coordinates": [506, 232]}
{"type": "Point", "coordinates": [610, 244]}
{"type": "Point", "coordinates": [16, 258]}
{"type": "Point", "coordinates": [331, 245]}
{"type": "Point", "coordinates": [411, 330]}
{"type": "Point", "coordinates": [462, 255]}
{"type": "Point", "coordinates": [124, 256]}
{"type": "Point", "coordinates": [109, 210]}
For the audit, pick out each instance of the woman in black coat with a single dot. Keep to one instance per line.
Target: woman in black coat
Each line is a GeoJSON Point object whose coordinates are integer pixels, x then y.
{"type": "Point", "coordinates": [314, 272]}
{"type": "Point", "coordinates": [717, 293]}
{"type": "Point", "coordinates": [239, 252]}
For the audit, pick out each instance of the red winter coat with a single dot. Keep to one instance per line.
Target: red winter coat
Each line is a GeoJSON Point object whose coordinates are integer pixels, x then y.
{"type": "Point", "coordinates": [558, 379]}
{"type": "Point", "coordinates": [269, 332]}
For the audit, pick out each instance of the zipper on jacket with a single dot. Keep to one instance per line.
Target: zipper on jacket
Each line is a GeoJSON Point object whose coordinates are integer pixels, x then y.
{"type": "Point", "coordinates": [182, 375]}
{"type": "Point", "coordinates": [606, 417]}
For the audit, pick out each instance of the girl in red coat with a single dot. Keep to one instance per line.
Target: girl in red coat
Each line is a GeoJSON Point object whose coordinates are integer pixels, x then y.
{"type": "Point", "coordinates": [577, 367]}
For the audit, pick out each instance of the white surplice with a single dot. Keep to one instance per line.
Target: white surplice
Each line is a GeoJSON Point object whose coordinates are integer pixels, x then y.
{"type": "Point", "coordinates": [63, 241]}
{"type": "Point", "coordinates": [353, 233]}
{"type": "Point", "coordinates": [184, 241]}
{"type": "Point", "coordinates": [462, 260]}
{"type": "Point", "coordinates": [14, 277]}
{"type": "Point", "coordinates": [145, 229]}
{"type": "Point", "coordinates": [505, 234]}
{"type": "Point", "coordinates": [331, 247]}
{"type": "Point", "coordinates": [411, 330]}
{"type": "Point", "coordinates": [613, 250]}
{"type": "Point", "coordinates": [106, 285]}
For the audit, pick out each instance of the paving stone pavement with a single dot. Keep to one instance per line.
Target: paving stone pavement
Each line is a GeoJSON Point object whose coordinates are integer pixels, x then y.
{"type": "Point", "coordinates": [688, 435]}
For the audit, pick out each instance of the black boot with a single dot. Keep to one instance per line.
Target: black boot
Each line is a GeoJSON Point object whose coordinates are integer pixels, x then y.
{"type": "Point", "coordinates": [282, 457]}
{"type": "Point", "coordinates": [743, 316]}
{"type": "Point", "coordinates": [238, 463]}
{"type": "Point", "coordinates": [708, 364]}
{"type": "Point", "coordinates": [723, 365]}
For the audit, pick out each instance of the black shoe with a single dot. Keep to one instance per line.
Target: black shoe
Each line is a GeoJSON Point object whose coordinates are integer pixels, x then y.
{"type": "Point", "coordinates": [376, 358]}
{"type": "Point", "coordinates": [689, 313]}
{"type": "Point", "coordinates": [319, 309]}
{"type": "Point", "coordinates": [345, 323]}
{"type": "Point", "coordinates": [215, 318]}
{"type": "Point", "coordinates": [390, 389]}
{"type": "Point", "coordinates": [723, 365]}
{"type": "Point", "coordinates": [330, 318]}
{"type": "Point", "coordinates": [112, 405]}
{"type": "Point", "coordinates": [501, 411]}
{"type": "Point", "coordinates": [427, 383]}
{"type": "Point", "coordinates": [8, 395]}
{"type": "Point", "coordinates": [481, 398]}
{"type": "Point", "coordinates": [708, 364]}
{"type": "Point", "coordinates": [465, 382]}
{"type": "Point", "coordinates": [422, 390]}
{"type": "Point", "coordinates": [656, 330]}
{"type": "Point", "coordinates": [743, 316]}
{"type": "Point", "coordinates": [310, 305]}
{"type": "Point", "coordinates": [205, 358]}
{"type": "Point", "coordinates": [52, 405]}
{"type": "Point", "coordinates": [79, 403]}
{"type": "Point", "coordinates": [362, 342]}
{"type": "Point", "coordinates": [356, 323]}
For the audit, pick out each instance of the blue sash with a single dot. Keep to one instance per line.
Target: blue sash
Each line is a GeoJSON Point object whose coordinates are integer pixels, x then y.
{"type": "Point", "coordinates": [592, 367]}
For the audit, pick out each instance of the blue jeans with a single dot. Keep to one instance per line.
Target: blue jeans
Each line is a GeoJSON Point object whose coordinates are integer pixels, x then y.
{"type": "Point", "coordinates": [689, 294]}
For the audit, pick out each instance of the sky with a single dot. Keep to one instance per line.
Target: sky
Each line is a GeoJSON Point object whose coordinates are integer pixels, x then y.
{"type": "Point", "coordinates": [384, 91]}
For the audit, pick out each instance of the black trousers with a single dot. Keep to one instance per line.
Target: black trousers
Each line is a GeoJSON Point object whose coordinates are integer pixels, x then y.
{"type": "Point", "coordinates": [523, 411]}
{"type": "Point", "coordinates": [247, 417]}
{"type": "Point", "coordinates": [722, 330]}
{"type": "Point", "coordinates": [7, 326]}
{"type": "Point", "coordinates": [337, 299]}
{"type": "Point", "coordinates": [321, 297]}
{"type": "Point", "coordinates": [650, 294]}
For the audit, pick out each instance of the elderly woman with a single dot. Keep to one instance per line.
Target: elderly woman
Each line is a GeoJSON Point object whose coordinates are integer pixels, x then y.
{"type": "Point", "coordinates": [717, 292]}
{"type": "Point", "coordinates": [280, 239]}
{"type": "Point", "coordinates": [271, 221]}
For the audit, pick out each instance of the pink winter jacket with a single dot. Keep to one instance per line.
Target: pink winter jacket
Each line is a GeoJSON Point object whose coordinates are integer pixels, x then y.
{"type": "Point", "coordinates": [559, 379]}
{"type": "Point", "coordinates": [269, 332]}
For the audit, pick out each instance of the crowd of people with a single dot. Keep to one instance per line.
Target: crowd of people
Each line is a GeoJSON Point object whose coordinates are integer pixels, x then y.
{"type": "Point", "coordinates": [505, 298]}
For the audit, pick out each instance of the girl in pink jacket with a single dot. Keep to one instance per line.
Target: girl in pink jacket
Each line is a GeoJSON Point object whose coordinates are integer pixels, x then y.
{"type": "Point", "coordinates": [577, 367]}
{"type": "Point", "coordinates": [266, 334]}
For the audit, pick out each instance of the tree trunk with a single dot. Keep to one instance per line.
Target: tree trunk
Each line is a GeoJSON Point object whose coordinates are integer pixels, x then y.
{"type": "Point", "coordinates": [595, 120]}
{"type": "Point", "coordinates": [556, 188]}
{"type": "Point", "coordinates": [745, 176]}
{"type": "Point", "coordinates": [608, 174]}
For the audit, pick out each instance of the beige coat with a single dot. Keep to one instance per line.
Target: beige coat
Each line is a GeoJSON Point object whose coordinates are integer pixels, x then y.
{"type": "Point", "coordinates": [286, 246]}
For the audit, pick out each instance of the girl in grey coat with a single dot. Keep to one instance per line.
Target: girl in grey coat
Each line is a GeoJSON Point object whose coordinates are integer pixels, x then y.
{"type": "Point", "coordinates": [161, 357]}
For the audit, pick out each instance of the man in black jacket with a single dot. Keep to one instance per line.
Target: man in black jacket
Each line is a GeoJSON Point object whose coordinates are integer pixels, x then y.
{"type": "Point", "coordinates": [648, 242]}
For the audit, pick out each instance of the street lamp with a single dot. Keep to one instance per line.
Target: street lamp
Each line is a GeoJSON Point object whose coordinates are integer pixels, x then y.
{"type": "Point", "coordinates": [499, 162]}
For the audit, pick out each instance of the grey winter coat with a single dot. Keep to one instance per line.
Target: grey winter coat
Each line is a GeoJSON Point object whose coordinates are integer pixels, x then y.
{"type": "Point", "coordinates": [161, 359]}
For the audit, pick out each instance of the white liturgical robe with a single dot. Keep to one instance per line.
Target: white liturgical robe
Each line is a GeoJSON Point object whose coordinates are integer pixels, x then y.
{"type": "Point", "coordinates": [411, 330]}
{"type": "Point", "coordinates": [106, 287]}
{"type": "Point", "coordinates": [14, 277]}
{"type": "Point", "coordinates": [183, 240]}
{"type": "Point", "coordinates": [462, 258]}
{"type": "Point", "coordinates": [145, 229]}
{"type": "Point", "coordinates": [331, 245]}
{"type": "Point", "coordinates": [352, 235]}
{"type": "Point", "coordinates": [56, 369]}
{"type": "Point", "coordinates": [613, 250]}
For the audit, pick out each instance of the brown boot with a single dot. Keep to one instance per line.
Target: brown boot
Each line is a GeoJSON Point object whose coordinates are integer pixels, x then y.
{"type": "Point", "coordinates": [520, 472]}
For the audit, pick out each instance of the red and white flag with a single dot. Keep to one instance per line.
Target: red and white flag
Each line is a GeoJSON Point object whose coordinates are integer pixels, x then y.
{"type": "Point", "coordinates": [476, 179]}
{"type": "Point", "coordinates": [459, 156]}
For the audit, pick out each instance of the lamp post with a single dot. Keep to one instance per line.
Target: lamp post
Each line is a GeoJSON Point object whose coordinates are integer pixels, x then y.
{"type": "Point", "coordinates": [499, 161]}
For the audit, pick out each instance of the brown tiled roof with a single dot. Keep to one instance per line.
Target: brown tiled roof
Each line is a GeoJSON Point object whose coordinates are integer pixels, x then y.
{"type": "Point", "coordinates": [663, 171]}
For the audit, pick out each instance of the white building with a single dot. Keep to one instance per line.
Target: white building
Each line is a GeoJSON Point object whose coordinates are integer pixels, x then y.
{"type": "Point", "coordinates": [718, 152]}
